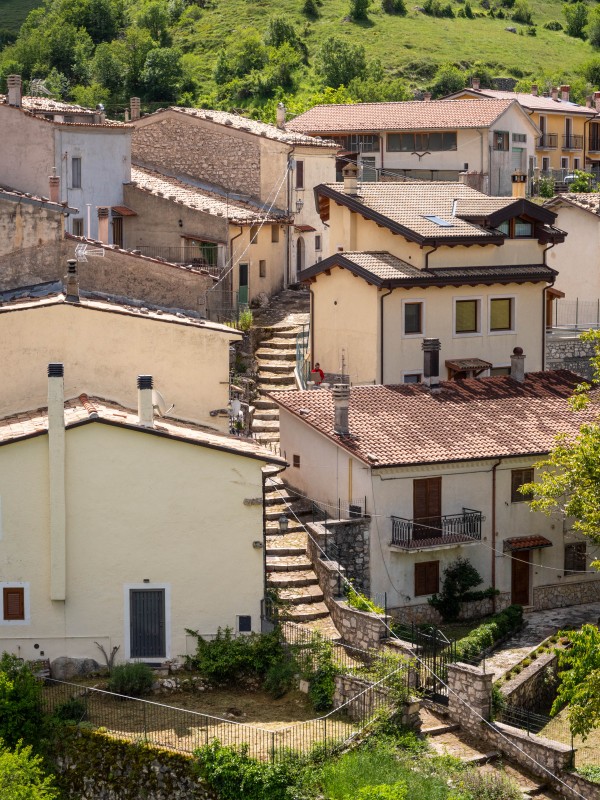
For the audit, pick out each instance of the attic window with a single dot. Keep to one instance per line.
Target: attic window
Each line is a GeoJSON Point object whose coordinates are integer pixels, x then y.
{"type": "Point", "coordinates": [438, 220]}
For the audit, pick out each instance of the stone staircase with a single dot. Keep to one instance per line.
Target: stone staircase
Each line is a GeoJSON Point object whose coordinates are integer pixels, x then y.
{"type": "Point", "coordinates": [276, 362]}
{"type": "Point", "coordinates": [289, 570]}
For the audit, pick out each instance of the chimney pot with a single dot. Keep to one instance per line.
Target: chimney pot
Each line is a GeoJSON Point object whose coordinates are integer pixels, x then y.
{"type": "Point", "coordinates": [72, 282]}
{"type": "Point", "coordinates": [54, 184]}
{"type": "Point", "coordinates": [475, 84]}
{"type": "Point", "coordinates": [427, 96]}
{"type": "Point", "coordinates": [281, 110]}
{"type": "Point", "coordinates": [103, 225]}
{"type": "Point", "coordinates": [431, 363]}
{"type": "Point", "coordinates": [341, 400]}
{"type": "Point", "coordinates": [350, 173]}
{"type": "Point", "coordinates": [564, 93]}
{"type": "Point", "coordinates": [517, 365]}
{"type": "Point", "coordinates": [145, 404]}
{"type": "Point", "coordinates": [534, 89]}
{"type": "Point", "coordinates": [555, 93]}
{"type": "Point", "coordinates": [14, 90]}
{"type": "Point", "coordinates": [135, 106]}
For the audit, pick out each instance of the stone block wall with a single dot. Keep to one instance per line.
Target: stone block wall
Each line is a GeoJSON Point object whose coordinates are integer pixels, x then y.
{"type": "Point", "coordinates": [424, 613]}
{"type": "Point", "coordinates": [533, 688]}
{"type": "Point", "coordinates": [351, 540]}
{"type": "Point", "coordinates": [566, 594]}
{"type": "Point", "coordinates": [23, 227]}
{"type": "Point", "coordinates": [569, 352]}
{"type": "Point", "coordinates": [367, 702]}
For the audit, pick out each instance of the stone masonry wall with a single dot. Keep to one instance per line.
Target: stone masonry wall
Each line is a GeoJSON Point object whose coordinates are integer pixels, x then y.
{"type": "Point", "coordinates": [23, 227]}
{"type": "Point", "coordinates": [351, 540]}
{"type": "Point", "coordinates": [473, 610]}
{"type": "Point", "coordinates": [566, 594]}
{"type": "Point", "coordinates": [366, 703]}
{"type": "Point", "coordinates": [534, 687]}
{"type": "Point", "coordinates": [569, 352]}
{"type": "Point", "coordinates": [204, 151]}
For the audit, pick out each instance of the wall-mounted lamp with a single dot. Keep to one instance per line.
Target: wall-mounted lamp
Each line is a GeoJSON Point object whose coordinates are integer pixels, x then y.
{"type": "Point", "coordinates": [283, 523]}
{"type": "Point", "coordinates": [299, 205]}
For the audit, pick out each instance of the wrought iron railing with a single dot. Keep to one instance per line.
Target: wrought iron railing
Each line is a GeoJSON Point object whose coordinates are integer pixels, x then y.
{"type": "Point", "coordinates": [572, 141]}
{"type": "Point", "coordinates": [302, 360]}
{"type": "Point", "coordinates": [208, 261]}
{"type": "Point", "coordinates": [409, 532]}
{"type": "Point", "coordinates": [594, 143]}
{"type": "Point", "coordinates": [548, 141]}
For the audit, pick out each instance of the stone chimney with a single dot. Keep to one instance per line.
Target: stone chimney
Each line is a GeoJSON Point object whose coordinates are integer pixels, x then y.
{"type": "Point", "coordinates": [54, 186]}
{"type": "Point", "coordinates": [534, 89]}
{"type": "Point", "coordinates": [341, 400]}
{"type": "Point", "coordinates": [555, 93]}
{"type": "Point", "coordinates": [597, 101]}
{"type": "Point", "coordinates": [475, 84]}
{"type": "Point", "coordinates": [517, 365]}
{"type": "Point", "coordinates": [589, 98]}
{"type": "Point", "coordinates": [72, 282]}
{"type": "Point", "coordinates": [56, 481]}
{"type": "Point", "coordinates": [427, 96]}
{"type": "Point", "coordinates": [145, 404]}
{"type": "Point", "coordinates": [519, 183]}
{"type": "Point", "coordinates": [134, 104]}
{"type": "Point", "coordinates": [564, 93]}
{"type": "Point", "coordinates": [280, 116]}
{"type": "Point", "coordinates": [431, 363]}
{"type": "Point", "coordinates": [14, 90]}
{"type": "Point", "coordinates": [103, 225]}
{"type": "Point", "coordinates": [350, 173]}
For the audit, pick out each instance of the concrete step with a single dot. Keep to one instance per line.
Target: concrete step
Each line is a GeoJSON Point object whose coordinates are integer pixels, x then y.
{"type": "Point", "coordinates": [267, 438]}
{"type": "Point", "coordinates": [275, 380]}
{"type": "Point", "coordinates": [302, 595]}
{"type": "Point", "coordinates": [322, 625]}
{"type": "Point", "coordinates": [276, 354]}
{"type": "Point", "coordinates": [273, 512]}
{"type": "Point", "coordinates": [285, 332]}
{"type": "Point", "coordinates": [272, 527]}
{"type": "Point", "coordinates": [294, 542]}
{"type": "Point", "coordinates": [276, 368]}
{"type": "Point", "coordinates": [276, 496]}
{"type": "Point", "coordinates": [288, 564]}
{"type": "Point", "coordinates": [287, 580]}
{"type": "Point", "coordinates": [303, 612]}
{"type": "Point", "coordinates": [265, 404]}
{"type": "Point", "coordinates": [265, 426]}
{"type": "Point", "coordinates": [266, 414]}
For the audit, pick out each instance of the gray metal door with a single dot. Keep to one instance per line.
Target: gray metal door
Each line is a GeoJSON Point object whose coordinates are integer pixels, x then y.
{"type": "Point", "coordinates": [147, 623]}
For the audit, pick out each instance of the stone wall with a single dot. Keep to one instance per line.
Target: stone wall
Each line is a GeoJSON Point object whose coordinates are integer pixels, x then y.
{"type": "Point", "coordinates": [569, 352]}
{"type": "Point", "coordinates": [534, 687]}
{"type": "Point", "coordinates": [367, 702]}
{"type": "Point", "coordinates": [473, 610]}
{"type": "Point", "coordinates": [566, 594]}
{"type": "Point", "coordinates": [24, 226]}
{"type": "Point", "coordinates": [350, 538]}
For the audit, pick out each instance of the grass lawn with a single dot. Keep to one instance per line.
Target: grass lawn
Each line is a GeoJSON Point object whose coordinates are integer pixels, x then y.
{"type": "Point", "coordinates": [13, 12]}
{"type": "Point", "coordinates": [588, 751]}
{"type": "Point", "coordinates": [458, 630]}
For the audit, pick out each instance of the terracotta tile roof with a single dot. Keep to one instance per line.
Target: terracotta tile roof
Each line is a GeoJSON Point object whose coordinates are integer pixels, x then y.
{"type": "Point", "coordinates": [88, 409]}
{"type": "Point", "coordinates": [588, 201]}
{"type": "Point", "coordinates": [525, 543]}
{"type": "Point", "coordinates": [198, 199]}
{"type": "Point", "coordinates": [288, 136]}
{"type": "Point", "coordinates": [25, 197]}
{"type": "Point", "coordinates": [400, 116]}
{"type": "Point", "coordinates": [532, 102]}
{"type": "Point", "coordinates": [37, 106]}
{"type": "Point", "coordinates": [467, 420]}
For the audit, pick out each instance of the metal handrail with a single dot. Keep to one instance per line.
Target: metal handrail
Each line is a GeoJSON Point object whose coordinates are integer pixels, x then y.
{"type": "Point", "coordinates": [467, 524]}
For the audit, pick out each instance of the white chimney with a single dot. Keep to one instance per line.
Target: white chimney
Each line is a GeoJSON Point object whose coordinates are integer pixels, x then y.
{"type": "Point", "coordinates": [281, 116]}
{"type": "Point", "coordinates": [555, 93]}
{"type": "Point", "coordinates": [134, 104]}
{"type": "Point", "coordinates": [517, 365]}
{"type": "Point", "coordinates": [103, 225]}
{"type": "Point", "coordinates": [350, 173]}
{"type": "Point", "coordinates": [145, 403]}
{"type": "Point", "coordinates": [56, 481]}
{"type": "Point", "coordinates": [534, 89]}
{"type": "Point", "coordinates": [431, 363]}
{"type": "Point", "coordinates": [427, 96]}
{"type": "Point", "coordinates": [341, 400]}
{"type": "Point", "coordinates": [54, 186]}
{"type": "Point", "coordinates": [475, 84]}
{"type": "Point", "coordinates": [72, 282]}
{"type": "Point", "coordinates": [564, 93]}
{"type": "Point", "coordinates": [14, 90]}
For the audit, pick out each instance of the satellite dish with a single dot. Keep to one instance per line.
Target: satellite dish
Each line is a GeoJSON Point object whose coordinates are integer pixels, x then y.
{"type": "Point", "coordinates": [160, 404]}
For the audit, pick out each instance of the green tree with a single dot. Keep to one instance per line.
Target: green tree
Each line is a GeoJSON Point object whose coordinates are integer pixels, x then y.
{"type": "Point", "coordinates": [20, 715]}
{"type": "Point", "coordinates": [522, 13]}
{"type": "Point", "coordinates": [394, 7]}
{"type": "Point", "coordinates": [154, 16]}
{"type": "Point", "coordinates": [580, 680]}
{"type": "Point", "coordinates": [359, 9]}
{"type": "Point", "coordinates": [162, 74]}
{"type": "Point", "coordinates": [593, 28]}
{"type": "Point", "coordinates": [338, 62]}
{"type": "Point", "coordinates": [448, 79]}
{"type": "Point", "coordinates": [22, 776]}
{"type": "Point", "coordinates": [577, 16]}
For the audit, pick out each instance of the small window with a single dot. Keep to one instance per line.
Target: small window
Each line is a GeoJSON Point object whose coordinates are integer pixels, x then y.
{"type": "Point", "coordinates": [504, 228]}
{"type": "Point", "coordinates": [576, 163]}
{"type": "Point", "coordinates": [413, 318]}
{"type": "Point", "coordinates": [274, 233]}
{"type": "Point", "coordinates": [318, 241]}
{"type": "Point", "coordinates": [413, 377]}
{"type": "Point", "coordinates": [545, 164]}
{"type": "Point", "coordinates": [501, 140]}
{"type": "Point", "coordinates": [296, 460]}
{"type": "Point", "coordinates": [519, 137]}
{"type": "Point", "coordinates": [499, 371]}
{"type": "Point", "coordinates": [13, 602]}
{"type": "Point", "coordinates": [427, 578]}
{"type": "Point", "coordinates": [522, 228]}
{"type": "Point", "coordinates": [76, 173]}
{"type": "Point", "coordinates": [564, 162]}
{"type": "Point", "coordinates": [244, 624]}
{"type": "Point", "coordinates": [299, 174]}
{"type": "Point", "coordinates": [262, 268]}
{"type": "Point", "coordinates": [518, 477]}
{"type": "Point", "coordinates": [501, 314]}
{"type": "Point", "coordinates": [575, 558]}
{"type": "Point", "coordinates": [467, 316]}
{"type": "Point", "coordinates": [77, 226]}
{"type": "Point", "coordinates": [253, 234]}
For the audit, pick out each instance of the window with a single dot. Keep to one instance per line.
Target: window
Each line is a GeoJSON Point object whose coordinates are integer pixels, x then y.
{"type": "Point", "coordinates": [295, 460]}
{"type": "Point", "coordinates": [13, 603]}
{"type": "Point", "coordinates": [76, 173]}
{"type": "Point", "coordinates": [299, 174]}
{"type": "Point", "coordinates": [413, 318]}
{"type": "Point", "coordinates": [564, 163]}
{"type": "Point", "coordinates": [519, 137]}
{"type": "Point", "coordinates": [274, 233]}
{"type": "Point", "coordinates": [369, 171]}
{"type": "Point", "coordinates": [77, 226]}
{"type": "Point", "coordinates": [575, 558]}
{"type": "Point", "coordinates": [501, 314]}
{"type": "Point", "coordinates": [467, 316]}
{"type": "Point", "coordinates": [501, 140]}
{"type": "Point", "coordinates": [412, 377]}
{"type": "Point", "coordinates": [253, 234]}
{"type": "Point", "coordinates": [318, 241]}
{"type": "Point", "coordinates": [518, 477]}
{"type": "Point", "coordinates": [262, 268]}
{"type": "Point", "coordinates": [545, 164]}
{"type": "Point", "coordinates": [358, 142]}
{"type": "Point", "coordinates": [576, 163]}
{"type": "Point", "coordinates": [427, 577]}
{"type": "Point", "coordinates": [517, 228]}
{"type": "Point", "coordinates": [244, 624]}
{"type": "Point", "coordinates": [496, 371]}
{"type": "Point", "coordinates": [420, 142]}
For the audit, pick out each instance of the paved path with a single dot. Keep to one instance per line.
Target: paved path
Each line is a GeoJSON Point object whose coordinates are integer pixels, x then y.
{"type": "Point", "coordinates": [538, 626]}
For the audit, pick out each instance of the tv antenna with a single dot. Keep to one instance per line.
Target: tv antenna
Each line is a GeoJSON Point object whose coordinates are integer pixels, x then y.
{"type": "Point", "coordinates": [83, 250]}
{"type": "Point", "coordinates": [37, 87]}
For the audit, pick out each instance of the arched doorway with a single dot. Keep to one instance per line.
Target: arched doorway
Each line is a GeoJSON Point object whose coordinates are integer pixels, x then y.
{"type": "Point", "coordinates": [300, 254]}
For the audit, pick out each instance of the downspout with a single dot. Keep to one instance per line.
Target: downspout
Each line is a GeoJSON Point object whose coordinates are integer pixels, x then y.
{"type": "Point", "coordinates": [494, 533]}
{"type": "Point", "coordinates": [586, 122]}
{"type": "Point", "coordinates": [311, 323]}
{"type": "Point", "coordinates": [428, 253]}
{"type": "Point", "coordinates": [381, 369]}
{"type": "Point", "coordinates": [288, 233]}
{"type": "Point", "coordinates": [231, 241]}
{"type": "Point", "coordinates": [544, 298]}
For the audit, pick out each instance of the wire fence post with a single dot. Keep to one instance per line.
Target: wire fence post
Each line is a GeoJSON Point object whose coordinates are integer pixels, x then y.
{"type": "Point", "coordinates": [273, 747]}
{"type": "Point", "coordinates": [325, 732]}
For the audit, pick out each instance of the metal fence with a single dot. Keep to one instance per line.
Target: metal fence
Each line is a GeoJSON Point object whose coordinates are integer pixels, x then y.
{"type": "Point", "coordinates": [204, 257]}
{"type": "Point", "coordinates": [302, 361]}
{"type": "Point", "coordinates": [577, 314]}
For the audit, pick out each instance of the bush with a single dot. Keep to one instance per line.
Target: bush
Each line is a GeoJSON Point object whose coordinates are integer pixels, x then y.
{"type": "Point", "coordinates": [245, 319]}
{"type": "Point", "coordinates": [385, 791]}
{"type": "Point", "coordinates": [546, 187]}
{"type": "Point", "coordinates": [577, 16]}
{"type": "Point", "coordinates": [435, 8]}
{"type": "Point", "coordinates": [22, 776]}
{"type": "Point", "coordinates": [394, 7]}
{"type": "Point", "coordinates": [496, 785]}
{"type": "Point", "coordinates": [498, 701]}
{"type": "Point", "coordinates": [131, 679]}
{"type": "Point", "coordinates": [553, 25]}
{"type": "Point", "coordinates": [227, 658]}
{"type": "Point", "coordinates": [20, 691]}
{"type": "Point", "coordinates": [279, 678]}
{"type": "Point", "coordinates": [310, 8]}
{"type": "Point", "coordinates": [72, 711]}
{"type": "Point", "coordinates": [359, 9]}
{"type": "Point", "coordinates": [522, 13]}
{"type": "Point", "coordinates": [489, 632]}
{"type": "Point", "coordinates": [459, 577]}
{"type": "Point", "coordinates": [322, 680]}
{"type": "Point", "coordinates": [361, 603]}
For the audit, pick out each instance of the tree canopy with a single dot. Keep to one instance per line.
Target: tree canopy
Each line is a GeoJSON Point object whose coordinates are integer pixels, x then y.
{"type": "Point", "coordinates": [580, 680]}
{"type": "Point", "coordinates": [22, 776]}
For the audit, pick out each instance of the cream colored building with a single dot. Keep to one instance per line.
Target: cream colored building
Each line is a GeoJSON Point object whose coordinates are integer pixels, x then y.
{"type": "Point", "coordinates": [428, 259]}
{"type": "Point", "coordinates": [125, 530]}
{"type": "Point", "coordinates": [435, 471]}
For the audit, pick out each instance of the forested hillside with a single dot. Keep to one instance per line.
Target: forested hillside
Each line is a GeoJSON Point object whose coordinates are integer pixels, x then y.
{"type": "Point", "coordinates": [248, 54]}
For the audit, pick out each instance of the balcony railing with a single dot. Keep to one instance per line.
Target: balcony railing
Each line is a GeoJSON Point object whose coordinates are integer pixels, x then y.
{"type": "Point", "coordinates": [594, 146]}
{"type": "Point", "coordinates": [548, 141]}
{"type": "Point", "coordinates": [572, 142]}
{"type": "Point", "coordinates": [436, 531]}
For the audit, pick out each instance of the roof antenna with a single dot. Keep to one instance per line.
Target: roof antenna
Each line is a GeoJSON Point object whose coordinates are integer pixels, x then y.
{"type": "Point", "coordinates": [343, 377]}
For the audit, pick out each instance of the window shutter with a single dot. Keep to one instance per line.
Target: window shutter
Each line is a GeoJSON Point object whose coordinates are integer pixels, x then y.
{"type": "Point", "coordinates": [427, 578]}
{"type": "Point", "coordinates": [14, 603]}
{"type": "Point", "coordinates": [419, 499]}
{"type": "Point", "coordinates": [299, 174]}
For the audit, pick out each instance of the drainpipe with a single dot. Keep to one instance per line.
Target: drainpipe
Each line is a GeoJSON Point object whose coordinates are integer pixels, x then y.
{"type": "Point", "coordinates": [289, 238]}
{"type": "Point", "coordinates": [381, 370]}
{"type": "Point", "coordinates": [231, 241]}
{"type": "Point", "coordinates": [586, 122]}
{"type": "Point", "coordinates": [312, 326]}
{"type": "Point", "coordinates": [494, 532]}
{"type": "Point", "coordinates": [428, 253]}
{"type": "Point", "coordinates": [544, 297]}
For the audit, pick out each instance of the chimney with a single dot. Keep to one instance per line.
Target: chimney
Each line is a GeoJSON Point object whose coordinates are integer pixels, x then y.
{"type": "Point", "coordinates": [517, 365]}
{"type": "Point", "coordinates": [589, 100]}
{"type": "Point", "coordinates": [14, 90]}
{"type": "Point", "coordinates": [126, 115]}
{"type": "Point", "coordinates": [145, 404]}
{"type": "Point", "coordinates": [475, 84]}
{"type": "Point", "coordinates": [431, 363]}
{"type": "Point", "coordinates": [350, 173]}
{"type": "Point", "coordinates": [555, 93]}
{"type": "Point", "coordinates": [54, 184]}
{"type": "Point", "coordinates": [519, 183]}
{"type": "Point", "coordinates": [56, 481]}
{"type": "Point", "coordinates": [103, 224]}
{"type": "Point", "coordinates": [534, 89]}
{"type": "Point", "coordinates": [280, 116]}
{"type": "Point", "coordinates": [341, 400]}
{"type": "Point", "coordinates": [597, 101]}
{"type": "Point", "coordinates": [427, 96]}
{"type": "Point", "coordinates": [72, 282]}
{"type": "Point", "coordinates": [134, 104]}
{"type": "Point", "coordinates": [564, 93]}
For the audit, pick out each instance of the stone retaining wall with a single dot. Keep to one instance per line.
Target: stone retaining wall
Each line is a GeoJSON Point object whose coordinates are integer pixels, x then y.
{"type": "Point", "coordinates": [566, 594]}
{"type": "Point", "coordinates": [348, 687]}
{"type": "Point", "coordinates": [569, 352]}
{"type": "Point", "coordinates": [428, 614]}
{"type": "Point", "coordinates": [535, 687]}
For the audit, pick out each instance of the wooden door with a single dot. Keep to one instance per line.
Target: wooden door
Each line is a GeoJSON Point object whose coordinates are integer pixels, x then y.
{"type": "Point", "coordinates": [427, 508]}
{"type": "Point", "coordinates": [520, 577]}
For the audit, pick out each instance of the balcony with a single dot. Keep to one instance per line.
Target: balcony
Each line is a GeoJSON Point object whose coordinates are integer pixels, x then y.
{"type": "Point", "coordinates": [594, 144]}
{"type": "Point", "coordinates": [572, 142]}
{"type": "Point", "coordinates": [548, 141]}
{"type": "Point", "coordinates": [432, 532]}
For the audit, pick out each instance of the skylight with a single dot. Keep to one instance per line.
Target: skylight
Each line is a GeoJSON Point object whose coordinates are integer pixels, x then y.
{"type": "Point", "coordinates": [438, 220]}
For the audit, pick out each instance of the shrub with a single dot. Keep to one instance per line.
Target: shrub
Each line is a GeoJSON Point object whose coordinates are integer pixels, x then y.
{"type": "Point", "coordinates": [132, 679]}
{"type": "Point", "coordinates": [553, 25]}
{"type": "Point", "coordinates": [582, 183]}
{"type": "Point", "coordinates": [385, 791]}
{"type": "Point", "coordinates": [498, 701]}
{"type": "Point", "coordinates": [361, 603]}
{"type": "Point", "coordinates": [359, 9]}
{"type": "Point", "coordinates": [322, 679]}
{"type": "Point", "coordinates": [435, 8]}
{"type": "Point", "coordinates": [72, 710]}
{"type": "Point", "coordinates": [310, 8]}
{"type": "Point", "coordinates": [546, 187]}
{"type": "Point", "coordinates": [577, 16]}
{"type": "Point", "coordinates": [459, 577]}
{"type": "Point", "coordinates": [486, 634]}
{"type": "Point", "coordinates": [227, 658]}
{"type": "Point", "coordinates": [245, 319]}
{"type": "Point", "coordinates": [20, 715]}
{"type": "Point", "coordinates": [280, 676]}
{"type": "Point", "coordinates": [22, 776]}
{"type": "Point", "coordinates": [496, 785]}
{"type": "Point", "coordinates": [394, 7]}
{"type": "Point", "coordinates": [522, 13]}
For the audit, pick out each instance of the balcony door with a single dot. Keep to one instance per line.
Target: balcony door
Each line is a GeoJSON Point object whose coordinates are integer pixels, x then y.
{"type": "Point", "coordinates": [427, 508]}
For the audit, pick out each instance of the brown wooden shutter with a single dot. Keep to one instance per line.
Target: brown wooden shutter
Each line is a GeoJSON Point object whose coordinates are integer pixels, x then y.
{"type": "Point", "coordinates": [14, 602]}
{"type": "Point", "coordinates": [427, 498]}
{"type": "Point", "coordinates": [427, 577]}
{"type": "Point", "coordinates": [299, 174]}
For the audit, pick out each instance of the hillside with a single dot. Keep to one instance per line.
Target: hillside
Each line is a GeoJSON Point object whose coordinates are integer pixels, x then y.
{"type": "Point", "coordinates": [14, 12]}
{"type": "Point", "coordinates": [186, 40]}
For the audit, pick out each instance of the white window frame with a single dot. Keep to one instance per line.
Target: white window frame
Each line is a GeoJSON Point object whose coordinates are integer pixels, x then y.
{"type": "Point", "coordinates": [408, 372]}
{"type": "Point", "coordinates": [545, 163]}
{"type": "Point", "coordinates": [576, 163]}
{"type": "Point", "coordinates": [513, 314]}
{"type": "Point", "coordinates": [127, 587]}
{"type": "Point", "coordinates": [479, 330]}
{"type": "Point", "coordinates": [80, 176]}
{"type": "Point", "coordinates": [411, 301]}
{"type": "Point", "coordinates": [564, 165]}
{"type": "Point", "coordinates": [15, 585]}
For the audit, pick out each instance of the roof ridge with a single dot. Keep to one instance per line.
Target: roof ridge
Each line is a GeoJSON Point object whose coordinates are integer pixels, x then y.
{"type": "Point", "coordinates": [89, 406]}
